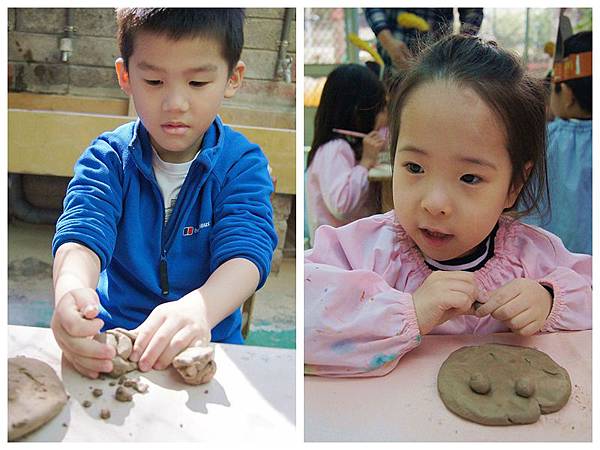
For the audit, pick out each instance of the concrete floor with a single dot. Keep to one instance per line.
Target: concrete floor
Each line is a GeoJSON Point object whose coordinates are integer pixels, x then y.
{"type": "Point", "coordinates": [30, 297]}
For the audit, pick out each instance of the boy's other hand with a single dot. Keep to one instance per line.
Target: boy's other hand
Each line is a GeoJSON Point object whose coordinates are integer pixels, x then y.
{"type": "Point", "coordinates": [522, 305]}
{"type": "Point", "coordinates": [169, 329]}
{"type": "Point", "coordinates": [74, 324]}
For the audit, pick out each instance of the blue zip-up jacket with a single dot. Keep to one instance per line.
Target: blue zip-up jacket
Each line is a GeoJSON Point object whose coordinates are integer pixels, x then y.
{"type": "Point", "coordinates": [114, 207]}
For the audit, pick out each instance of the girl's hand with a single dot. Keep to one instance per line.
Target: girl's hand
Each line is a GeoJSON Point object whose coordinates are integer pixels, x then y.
{"type": "Point", "coordinates": [74, 324]}
{"type": "Point", "coordinates": [522, 305]}
{"type": "Point", "coordinates": [169, 329]}
{"type": "Point", "coordinates": [372, 145]}
{"type": "Point", "coordinates": [443, 296]}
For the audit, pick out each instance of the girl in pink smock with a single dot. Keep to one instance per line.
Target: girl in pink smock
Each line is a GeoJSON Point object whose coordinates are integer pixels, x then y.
{"type": "Point", "coordinates": [467, 131]}
{"type": "Point", "coordinates": [337, 185]}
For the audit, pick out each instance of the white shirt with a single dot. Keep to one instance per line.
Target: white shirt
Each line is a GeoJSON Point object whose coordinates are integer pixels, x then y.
{"type": "Point", "coordinates": [170, 178]}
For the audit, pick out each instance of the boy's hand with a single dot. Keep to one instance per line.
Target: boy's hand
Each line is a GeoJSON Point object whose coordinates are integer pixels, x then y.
{"type": "Point", "coordinates": [169, 329]}
{"type": "Point", "coordinates": [74, 325]}
{"type": "Point", "coordinates": [522, 305]}
{"type": "Point", "coordinates": [443, 296]}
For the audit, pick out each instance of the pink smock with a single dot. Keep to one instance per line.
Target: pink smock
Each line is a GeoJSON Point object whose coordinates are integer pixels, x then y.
{"type": "Point", "coordinates": [337, 188]}
{"type": "Point", "coordinates": [359, 313]}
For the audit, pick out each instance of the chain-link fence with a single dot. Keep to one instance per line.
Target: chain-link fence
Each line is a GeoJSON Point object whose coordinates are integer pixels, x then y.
{"type": "Point", "coordinates": [523, 30]}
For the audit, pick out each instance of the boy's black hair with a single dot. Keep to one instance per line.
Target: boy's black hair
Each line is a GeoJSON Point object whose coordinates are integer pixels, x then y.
{"type": "Point", "coordinates": [581, 87]}
{"type": "Point", "coordinates": [351, 99]}
{"type": "Point", "coordinates": [225, 25]}
{"type": "Point", "coordinates": [500, 80]}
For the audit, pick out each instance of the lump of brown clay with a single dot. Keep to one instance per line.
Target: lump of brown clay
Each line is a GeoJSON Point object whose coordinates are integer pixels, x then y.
{"type": "Point", "coordinates": [523, 383]}
{"type": "Point", "coordinates": [105, 414]}
{"type": "Point", "coordinates": [122, 340]}
{"type": "Point", "coordinates": [196, 364]}
{"type": "Point", "coordinates": [35, 395]}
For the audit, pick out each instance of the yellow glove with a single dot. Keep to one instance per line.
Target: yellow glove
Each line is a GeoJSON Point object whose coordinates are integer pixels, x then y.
{"type": "Point", "coordinates": [358, 42]}
{"type": "Point", "coordinates": [410, 20]}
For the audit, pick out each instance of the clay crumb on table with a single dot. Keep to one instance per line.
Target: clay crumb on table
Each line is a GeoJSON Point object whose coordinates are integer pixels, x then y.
{"type": "Point", "coordinates": [123, 394]}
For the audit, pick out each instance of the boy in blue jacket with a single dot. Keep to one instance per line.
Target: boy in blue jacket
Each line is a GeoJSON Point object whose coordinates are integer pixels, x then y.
{"type": "Point", "coordinates": [167, 225]}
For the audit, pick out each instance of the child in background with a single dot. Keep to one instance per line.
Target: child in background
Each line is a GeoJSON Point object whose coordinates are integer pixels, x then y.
{"type": "Point", "coordinates": [467, 130]}
{"type": "Point", "coordinates": [569, 155]}
{"type": "Point", "coordinates": [167, 225]}
{"type": "Point", "coordinates": [337, 184]}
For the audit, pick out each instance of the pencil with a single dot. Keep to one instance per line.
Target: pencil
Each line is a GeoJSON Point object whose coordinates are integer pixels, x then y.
{"type": "Point", "coordinates": [350, 133]}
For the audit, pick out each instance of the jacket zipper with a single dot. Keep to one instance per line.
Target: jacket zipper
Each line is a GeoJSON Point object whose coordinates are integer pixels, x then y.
{"type": "Point", "coordinates": [164, 273]}
{"type": "Point", "coordinates": [163, 267]}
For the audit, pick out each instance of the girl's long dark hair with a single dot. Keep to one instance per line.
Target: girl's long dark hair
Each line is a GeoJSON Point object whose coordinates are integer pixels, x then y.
{"type": "Point", "coordinates": [498, 77]}
{"type": "Point", "coordinates": [351, 99]}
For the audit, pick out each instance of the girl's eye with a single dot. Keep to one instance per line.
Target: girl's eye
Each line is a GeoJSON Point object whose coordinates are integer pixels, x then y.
{"type": "Point", "coordinates": [153, 82]}
{"type": "Point", "coordinates": [470, 179]}
{"type": "Point", "coordinates": [413, 168]}
{"type": "Point", "coordinates": [198, 83]}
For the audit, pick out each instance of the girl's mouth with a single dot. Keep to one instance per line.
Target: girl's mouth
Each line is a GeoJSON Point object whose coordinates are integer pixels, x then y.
{"type": "Point", "coordinates": [435, 238]}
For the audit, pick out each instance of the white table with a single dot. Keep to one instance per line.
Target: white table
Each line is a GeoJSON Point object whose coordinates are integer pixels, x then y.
{"type": "Point", "coordinates": [405, 406]}
{"type": "Point", "coordinates": [382, 174]}
{"type": "Point", "coordinates": [251, 398]}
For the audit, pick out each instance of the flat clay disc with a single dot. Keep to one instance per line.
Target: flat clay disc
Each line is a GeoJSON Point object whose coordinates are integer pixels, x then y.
{"type": "Point", "coordinates": [35, 395]}
{"type": "Point", "coordinates": [496, 384]}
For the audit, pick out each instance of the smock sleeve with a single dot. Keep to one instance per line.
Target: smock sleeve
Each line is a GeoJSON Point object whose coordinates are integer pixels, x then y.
{"type": "Point", "coordinates": [547, 261]}
{"type": "Point", "coordinates": [344, 183]}
{"type": "Point", "coordinates": [356, 323]}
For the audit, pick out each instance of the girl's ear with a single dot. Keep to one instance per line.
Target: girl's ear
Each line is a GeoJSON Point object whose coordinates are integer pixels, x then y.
{"type": "Point", "coordinates": [514, 192]}
{"type": "Point", "coordinates": [123, 76]}
{"type": "Point", "coordinates": [235, 80]}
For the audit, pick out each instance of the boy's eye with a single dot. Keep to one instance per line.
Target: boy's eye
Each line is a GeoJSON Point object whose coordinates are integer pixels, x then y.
{"type": "Point", "coordinates": [153, 82]}
{"type": "Point", "coordinates": [198, 83]}
{"type": "Point", "coordinates": [413, 168]}
{"type": "Point", "coordinates": [470, 179]}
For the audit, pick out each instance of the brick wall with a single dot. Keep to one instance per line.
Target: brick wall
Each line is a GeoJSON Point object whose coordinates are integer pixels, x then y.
{"type": "Point", "coordinates": [34, 65]}
{"type": "Point", "coordinates": [34, 56]}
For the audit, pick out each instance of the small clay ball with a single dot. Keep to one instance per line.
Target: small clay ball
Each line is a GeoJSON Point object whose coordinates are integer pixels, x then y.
{"type": "Point", "coordinates": [97, 392]}
{"type": "Point", "coordinates": [105, 414]}
{"type": "Point", "coordinates": [479, 383]}
{"type": "Point", "coordinates": [524, 387]}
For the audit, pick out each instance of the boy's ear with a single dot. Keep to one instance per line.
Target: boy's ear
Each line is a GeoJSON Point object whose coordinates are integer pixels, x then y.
{"type": "Point", "coordinates": [567, 95]}
{"type": "Point", "coordinates": [235, 80]}
{"type": "Point", "coordinates": [514, 192]}
{"type": "Point", "coordinates": [123, 75]}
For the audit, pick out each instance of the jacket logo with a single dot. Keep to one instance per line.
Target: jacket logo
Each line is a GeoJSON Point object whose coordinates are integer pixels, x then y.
{"type": "Point", "coordinates": [189, 231]}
